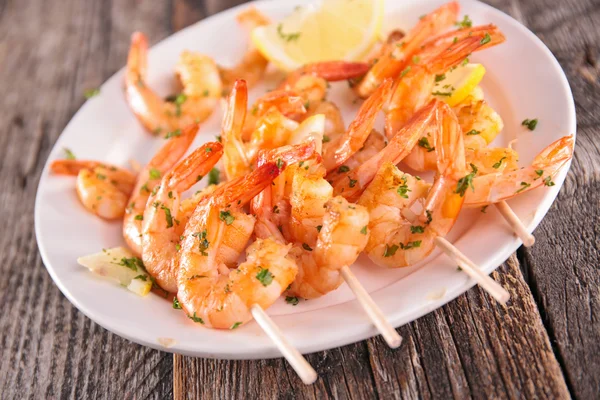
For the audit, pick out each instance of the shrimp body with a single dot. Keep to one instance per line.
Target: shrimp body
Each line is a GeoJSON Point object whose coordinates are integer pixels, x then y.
{"type": "Point", "coordinates": [397, 240]}
{"type": "Point", "coordinates": [209, 293]}
{"type": "Point", "coordinates": [147, 181]}
{"type": "Point", "coordinates": [342, 236]}
{"type": "Point", "coordinates": [497, 186]}
{"type": "Point", "coordinates": [161, 227]}
{"type": "Point", "coordinates": [102, 189]}
{"type": "Point", "coordinates": [202, 89]}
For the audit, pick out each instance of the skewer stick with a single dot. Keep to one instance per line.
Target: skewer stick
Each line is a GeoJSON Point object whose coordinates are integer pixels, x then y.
{"type": "Point", "coordinates": [388, 332]}
{"type": "Point", "coordinates": [291, 354]}
{"type": "Point", "coordinates": [515, 223]}
{"type": "Point", "coordinates": [487, 283]}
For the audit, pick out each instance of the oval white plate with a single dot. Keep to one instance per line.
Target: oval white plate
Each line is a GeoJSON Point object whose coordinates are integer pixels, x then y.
{"type": "Point", "coordinates": [523, 80]}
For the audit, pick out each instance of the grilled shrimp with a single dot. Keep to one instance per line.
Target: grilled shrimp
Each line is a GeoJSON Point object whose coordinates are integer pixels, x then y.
{"type": "Point", "coordinates": [396, 56]}
{"type": "Point", "coordinates": [397, 241]}
{"type": "Point", "coordinates": [161, 227]}
{"type": "Point", "coordinates": [504, 184]}
{"type": "Point", "coordinates": [201, 83]}
{"type": "Point", "coordinates": [102, 189]}
{"type": "Point", "coordinates": [147, 181]}
{"type": "Point", "coordinates": [208, 292]}
{"type": "Point", "coordinates": [351, 183]}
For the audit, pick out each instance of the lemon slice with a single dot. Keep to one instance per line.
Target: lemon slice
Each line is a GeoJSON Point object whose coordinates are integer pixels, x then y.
{"type": "Point", "coordinates": [331, 30]}
{"type": "Point", "coordinates": [454, 86]}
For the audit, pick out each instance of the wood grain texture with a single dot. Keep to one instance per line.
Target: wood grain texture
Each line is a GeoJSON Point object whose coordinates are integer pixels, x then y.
{"type": "Point", "coordinates": [544, 344]}
{"type": "Point", "coordinates": [50, 52]}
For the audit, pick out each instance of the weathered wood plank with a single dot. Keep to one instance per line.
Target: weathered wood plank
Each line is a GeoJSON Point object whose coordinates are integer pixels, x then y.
{"type": "Point", "coordinates": [50, 53]}
{"type": "Point", "coordinates": [562, 267]}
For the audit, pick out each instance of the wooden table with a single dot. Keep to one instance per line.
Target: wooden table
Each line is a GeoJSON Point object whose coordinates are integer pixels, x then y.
{"type": "Point", "coordinates": [544, 344]}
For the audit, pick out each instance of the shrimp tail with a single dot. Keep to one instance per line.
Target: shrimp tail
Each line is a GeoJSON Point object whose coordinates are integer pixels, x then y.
{"type": "Point", "coordinates": [72, 167]}
{"type": "Point", "coordinates": [336, 70]}
{"type": "Point", "coordinates": [195, 166]}
{"type": "Point", "coordinates": [359, 130]}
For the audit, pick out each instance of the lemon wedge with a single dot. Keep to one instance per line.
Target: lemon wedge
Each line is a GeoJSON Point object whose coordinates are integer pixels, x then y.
{"type": "Point", "coordinates": [457, 84]}
{"type": "Point", "coordinates": [331, 30]}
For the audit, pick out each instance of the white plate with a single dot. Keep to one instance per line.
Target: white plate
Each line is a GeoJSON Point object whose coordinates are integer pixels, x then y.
{"type": "Point", "coordinates": [523, 80]}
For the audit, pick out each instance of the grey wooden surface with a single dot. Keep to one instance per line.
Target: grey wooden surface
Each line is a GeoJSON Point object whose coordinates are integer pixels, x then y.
{"type": "Point", "coordinates": [544, 344]}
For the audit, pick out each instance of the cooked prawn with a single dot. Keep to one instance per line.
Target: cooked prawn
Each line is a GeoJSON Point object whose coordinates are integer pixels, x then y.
{"type": "Point", "coordinates": [351, 184]}
{"type": "Point", "coordinates": [397, 55]}
{"type": "Point", "coordinates": [397, 241]}
{"type": "Point", "coordinates": [235, 159]}
{"type": "Point", "coordinates": [202, 89]}
{"type": "Point", "coordinates": [497, 186]}
{"type": "Point", "coordinates": [147, 181]}
{"type": "Point", "coordinates": [102, 189]}
{"type": "Point", "coordinates": [341, 147]}
{"type": "Point", "coordinates": [161, 227]}
{"type": "Point", "coordinates": [208, 292]}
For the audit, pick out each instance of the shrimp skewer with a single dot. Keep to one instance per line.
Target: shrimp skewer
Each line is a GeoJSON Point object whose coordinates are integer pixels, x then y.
{"type": "Point", "coordinates": [161, 227]}
{"type": "Point", "coordinates": [102, 189]}
{"type": "Point", "coordinates": [147, 181]}
{"type": "Point", "coordinates": [327, 228]}
{"type": "Point", "coordinates": [215, 297]}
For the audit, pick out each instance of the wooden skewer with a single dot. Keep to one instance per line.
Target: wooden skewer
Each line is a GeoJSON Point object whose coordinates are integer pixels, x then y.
{"type": "Point", "coordinates": [515, 223]}
{"type": "Point", "coordinates": [291, 354]}
{"type": "Point", "coordinates": [392, 338]}
{"type": "Point", "coordinates": [487, 283]}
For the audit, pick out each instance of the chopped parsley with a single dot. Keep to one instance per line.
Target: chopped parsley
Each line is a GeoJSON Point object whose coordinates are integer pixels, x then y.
{"type": "Point", "coordinates": [326, 139]}
{"type": "Point", "coordinates": [191, 278]}
{"type": "Point", "coordinates": [133, 263]}
{"type": "Point", "coordinates": [306, 247]}
{"type": "Point", "coordinates": [279, 163]}
{"type": "Point", "coordinates": [417, 229]}
{"type": "Point", "coordinates": [352, 182]}
{"type": "Point", "coordinates": [145, 188]}
{"type": "Point", "coordinates": [390, 250]}
{"type": "Point", "coordinates": [142, 277]}
{"type": "Point", "coordinates": [429, 217]}
{"type": "Point", "coordinates": [139, 217]}
{"type": "Point", "coordinates": [486, 39]}
{"type": "Point", "coordinates": [154, 173]}
{"type": "Point", "coordinates": [411, 245]}
{"type": "Point", "coordinates": [235, 325]}
{"type": "Point", "coordinates": [406, 71]}
{"type": "Point", "coordinates": [473, 132]}
{"type": "Point", "coordinates": [89, 93]}
{"type": "Point", "coordinates": [69, 155]}
{"type": "Point", "coordinates": [483, 209]}
{"type": "Point", "coordinates": [343, 168]}
{"type": "Point", "coordinates": [226, 217]}
{"type": "Point", "coordinates": [205, 93]}
{"type": "Point", "coordinates": [524, 185]}
{"type": "Point", "coordinates": [364, 230]}
{"type": "Point", "coordinates": [100, 176]}
{"type": "Point", "coordinates": [465, 23]}
{"type": "Point", "coordinates": [424, 143]}
{"type": "Point", "coordinates": [499, 163]}
{"type": "Point", "coordinates": [288, 37]}
{"type": "Point", "coordinates": [292, 300]}
{"type": "Point", "coordinates": [175, 133]}
{"type": "Point", "coordinates": [548, 181]}
{"type": "Point", "coordinates": [319, 227]}
{"type": "Point", "coordinates": [176, 303]}
{"type": "Point", "coordinates": [465, 182]}
{"type": "Point", "coordinates": [196, 318]}
{"type": "Point", "coordinates": [438, 93]}
{"type": "Point", "coordinates": [403, 188]}
{"type": "Point", "coordinates": [439, 78]}
{"type": "Point", "coordinates": [168, 215]}
{"type": "Point", "coordinates": [213, 177]}
{"type": "Point", "coordinates": [265, 277]}
{"type": "Point", "coordinates": [539, 173]}
{"type": "Point", "coordinates": [530, 123]}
